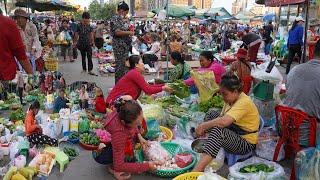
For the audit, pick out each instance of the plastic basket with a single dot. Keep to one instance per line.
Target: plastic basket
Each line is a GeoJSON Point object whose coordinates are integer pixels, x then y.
{"type": "Point", "coordinates": [167, 132]}
{"type": "Point", "coordinates": [263, 91]}
{"type": "Point", "coordinates": [51, 65]}
{"type": "Point", "coordinates": [189, 176]}
{"type": "Point", "coordinates": [174, 149]}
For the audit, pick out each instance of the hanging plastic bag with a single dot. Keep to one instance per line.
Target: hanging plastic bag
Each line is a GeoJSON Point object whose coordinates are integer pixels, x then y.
{"type": "Point", "coordinates": [153, 129]}
{"type": "Point", "coordinates": [276, 170]}
{"type": "Point", "coordinates": [217, 162]}
{"type": "Point", "coordinates": [206, 84]}
{"type": "Point", "coordinates": [61, 37]}
{"type": "Point", "coordinates": [84, 125]}
{"type": "Point", "coordinates": [307, 164]}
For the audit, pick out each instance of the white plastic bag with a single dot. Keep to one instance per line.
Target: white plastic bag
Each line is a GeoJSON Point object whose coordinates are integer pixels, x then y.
{"type": "Point", "coordinates": [307, 164]}
{"type": "Point", "coordinates": [278, 172]}
{"type": "Point", "coordinates": [209, 175]}
{"type": "Point", "coordinates": [20, 161]}
{"type": "Point", "coordinates": [156, 152]}
{"type": "Point", "coordinates": [217, 162]}
{"type": "Point", "coordinates": [13, 149]}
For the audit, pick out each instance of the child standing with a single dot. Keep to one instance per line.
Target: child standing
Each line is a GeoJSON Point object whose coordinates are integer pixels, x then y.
{"type": "Point", "coordinates": [84, 97]}
{"type": "Point", "coordinates": [100, 104]}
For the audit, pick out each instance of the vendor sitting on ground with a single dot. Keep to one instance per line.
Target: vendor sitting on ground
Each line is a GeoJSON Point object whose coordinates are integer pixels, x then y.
{"type": "Point", "coordinates": [236, 130]}
{"type": "Point", "coordinates": [133, 82]}
{"type": "Point", "coordinates": [100, 104]}
{"type": "Point", "coordinates": [242, 68]}
{"type": "Point", "coordinates": [60, 102]}
{"type": "Point", "coordinates": [34, 131]}
{"type": "Point", "coordinates": [303, 86]}
{"type": "Point", "coordinates": [122, 125]}
{"type": "Point", "coordinates": [181, 70]}
{"type": "Point", "coordinates": [208, 63]}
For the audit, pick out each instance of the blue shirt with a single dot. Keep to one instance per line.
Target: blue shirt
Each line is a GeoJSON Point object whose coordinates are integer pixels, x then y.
{"type": "Point", "coordinates": [296, 36]}
{"type": "Point", "coordinates": [59, 104]}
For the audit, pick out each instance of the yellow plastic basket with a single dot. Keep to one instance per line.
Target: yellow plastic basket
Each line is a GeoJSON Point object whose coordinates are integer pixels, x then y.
{"type": "Point", "coordinates": [167, 132]}
{"type": "Point", "coordinates": [189, 176]}
{"type": "Point", "coordinates": [51, 65]}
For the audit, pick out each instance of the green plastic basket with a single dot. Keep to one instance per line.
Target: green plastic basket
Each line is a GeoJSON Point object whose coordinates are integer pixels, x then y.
{"type": "Point", "coordinates": [174, 149]}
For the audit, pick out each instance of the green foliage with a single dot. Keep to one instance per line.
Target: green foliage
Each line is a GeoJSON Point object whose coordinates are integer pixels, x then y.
{"type": "Point", "coordinates": [101, 12]}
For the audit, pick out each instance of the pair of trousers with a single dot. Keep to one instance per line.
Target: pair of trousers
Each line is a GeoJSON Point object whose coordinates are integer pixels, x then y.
{"type": "Point", "coordinates": [230, 141]}
{"type": "Point", "coordinates": [20, 92]}
{"type": "Point", "coordinates": [39, 138]}
{"type": "Point", "coordinates": [293, 50]}
{"type": "Point", "coordinates": [86, 52]}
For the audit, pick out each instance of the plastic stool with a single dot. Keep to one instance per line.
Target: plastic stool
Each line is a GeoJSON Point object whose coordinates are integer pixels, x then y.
{"type": "Point", "coordinates": [234, 158]}
{"type": "Point", "coordinates": [62, 159]}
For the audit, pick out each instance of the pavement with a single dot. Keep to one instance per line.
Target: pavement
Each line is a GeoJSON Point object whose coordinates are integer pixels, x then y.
{"type": "Point", "coordinates": [84, 167]}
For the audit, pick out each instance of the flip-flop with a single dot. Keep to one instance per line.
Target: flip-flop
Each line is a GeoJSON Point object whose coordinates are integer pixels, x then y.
{"type": "Point", "coordinates": [119, 175]}
{"type": "Point", "coordinates": [93, 74]}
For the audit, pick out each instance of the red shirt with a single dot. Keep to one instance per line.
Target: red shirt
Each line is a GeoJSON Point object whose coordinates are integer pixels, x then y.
{"type": "Point", "coordinates": [122, 138]}
{"type": "Point", "coordinates": [132, 84]}
{"type": "Point", "coordinates": [11, 46]}
{"type": "Point", "coordinates": [100, 105]}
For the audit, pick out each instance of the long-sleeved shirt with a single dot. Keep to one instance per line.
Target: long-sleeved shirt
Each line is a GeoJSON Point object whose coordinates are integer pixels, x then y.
{"type": "Point", "coordinates": [215, 67]}
{"type": "Point", "coordinates": [300, 97]}
{"type": "Point", "coordinates": [59, 104]}
{"type": "Point", "coordinates": [30, 123]}
{"type": "Point", "coordinates": [120, 136]}
{"type": "Point", "coordinates": [296, 36]}
{"type": "Point", "coordinates": [132, 84]}
{"type": "Point", "coordinates": [100, 105]}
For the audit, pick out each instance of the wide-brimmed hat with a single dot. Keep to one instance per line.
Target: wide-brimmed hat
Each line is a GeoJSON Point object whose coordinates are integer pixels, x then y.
{"type": "Point", "coordinates": [299, 18]}
{"type": "Point", "coordinates": [21, 13]}
{"type": "Point", "coordinates": [242, 53]}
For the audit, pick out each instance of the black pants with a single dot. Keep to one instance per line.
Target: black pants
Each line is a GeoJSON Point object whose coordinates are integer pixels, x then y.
{"type": "Point", "coordinates": [99, 42]}
{"type": "Point", "coordinates": [104, 157]}
{"type": "Point", "coordinates": [20, 92]}
{"type": "Point", "coordinates": [86, 52]}
{"type": "Point", "coordinates": [293, 50]}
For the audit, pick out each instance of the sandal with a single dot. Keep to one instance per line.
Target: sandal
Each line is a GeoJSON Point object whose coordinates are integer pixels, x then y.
{"type": "Point", "coordinates": [93, 74]}
{"type": "Point", "coordinates": [119, 175]}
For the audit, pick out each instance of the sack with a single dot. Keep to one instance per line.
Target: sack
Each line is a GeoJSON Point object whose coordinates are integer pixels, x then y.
{"type": "Point", "coordinates": [153, 129]}
{"type": "Point", "coordinates": [235, 173]}
{"type": "Point", "coordinates": [206, 84]}
{"type": "Point", "coordinates": [307, 164]}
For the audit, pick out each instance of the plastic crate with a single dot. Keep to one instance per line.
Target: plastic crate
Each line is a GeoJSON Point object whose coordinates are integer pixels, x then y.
{"type": "Point", "coordinates": [51, 65]}
{"type": "Point", "coordinates": [263, 91]}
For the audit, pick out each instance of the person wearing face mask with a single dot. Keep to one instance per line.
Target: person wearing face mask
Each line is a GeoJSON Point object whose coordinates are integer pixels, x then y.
{"type": "Point", "coordinates": [133, 82]}
{"type": "Point", "coordinates": [295, 41]}
{"type": "Point", "coordinates": [121, 41]}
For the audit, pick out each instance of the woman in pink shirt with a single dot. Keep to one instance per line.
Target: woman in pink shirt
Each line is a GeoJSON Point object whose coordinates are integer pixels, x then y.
{"type": "Point", "coordinates": [133, 82]}
{"type": "Point", "coordinates": [207, 63]}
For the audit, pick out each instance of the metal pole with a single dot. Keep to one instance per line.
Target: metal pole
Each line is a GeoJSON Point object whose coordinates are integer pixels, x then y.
{"type": "Point", "coordinates": [307, 4]}
{"type": "Point", "coordinates": [288, 17]}
{"type": "Point", "coordinates": [167, 40]}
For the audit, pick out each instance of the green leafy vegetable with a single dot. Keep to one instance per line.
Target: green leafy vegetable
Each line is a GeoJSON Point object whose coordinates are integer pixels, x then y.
{"type": "Point", "coordinates": [180, 89]}
{"type": "Point", "coordinates": [167, 101]}
{"type": "Point", "coordinates": [215, 101]}
{"type": "Point", "coordinates": [18, 114]}
{"type": "Point", "coordinates": [146, 100]}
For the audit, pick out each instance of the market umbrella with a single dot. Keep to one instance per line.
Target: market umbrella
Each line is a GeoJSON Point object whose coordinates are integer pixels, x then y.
{"type": "Point", "coordinates": [40, 6]}
{"type": "Point", "coordinates": [177, 11]}
{"type": "Point", "coordinates": [268, 17]}
{"type": "Point", "coordinates": [219, 14]}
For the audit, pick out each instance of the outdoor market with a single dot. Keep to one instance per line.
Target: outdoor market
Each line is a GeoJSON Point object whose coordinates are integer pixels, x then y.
{"type": "Point", "coordinates": [173, 91]}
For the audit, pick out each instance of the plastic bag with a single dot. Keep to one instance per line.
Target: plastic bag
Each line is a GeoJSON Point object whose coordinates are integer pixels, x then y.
{"type": "Point", "coordinates": [266, 108]}
{"type": "Point", "coordinates": [153, 129]}
{"type": "Point", "coordinates": [217, 162]}
{"type": "Point", "coordinates": [156, 152]}
{"type": "Point", "coordinates": [61, 37]}
{"type": "Point", "coordinates": [13, 150]}
{"type": "Point", "coordinates": [153, 111]}
{"type": "Point", "coordinates": [185, 128]}
{"type": "Point", "coordinates": [307, 164]}
{"type": "Point", "coordinates": [20, 161]}
{"type": "Point", "coordinates": [84, 125]}
{"type": "Point", "coordinates": [278, 172]}
{"type": "Point", "coordinates": [33, 152]}
{"type": "Point", "coordinates": [52, 129]}
{"type": "Point", "coordinates": [209, 175]}
{"type": "Point", "coordinates": [206, 84]}
{"type": "Point", "coordinates": [183, 159]}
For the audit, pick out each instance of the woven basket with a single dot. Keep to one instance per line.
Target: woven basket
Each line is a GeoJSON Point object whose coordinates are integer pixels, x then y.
{"type": "Point", "coordinates": [51, 65]}
{"type": "Point", "coordinates": [174, 149]}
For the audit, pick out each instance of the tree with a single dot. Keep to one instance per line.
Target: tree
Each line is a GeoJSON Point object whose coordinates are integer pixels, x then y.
{"type": "Point", "coordinates": [101, 12]}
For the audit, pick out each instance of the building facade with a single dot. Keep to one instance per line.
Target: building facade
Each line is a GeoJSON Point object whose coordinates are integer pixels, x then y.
{"type": "Point", "coordinates": [199, 4]}
{"type": "Point", "coordinates": [239, 5]}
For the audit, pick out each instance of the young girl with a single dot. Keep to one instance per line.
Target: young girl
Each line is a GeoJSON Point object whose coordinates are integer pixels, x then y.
{"type": "Point", "coordinates": [122, 125]}
{"type": "Point", "coordinates": [34, 131]}
{"type": "Point", "coordinates": [100, 104]}
{"type": "Point", "coordinates": [84, 97]}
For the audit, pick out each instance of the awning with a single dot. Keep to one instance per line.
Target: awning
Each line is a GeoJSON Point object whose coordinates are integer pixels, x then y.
{"type": "Point", "coordinates": [276, 3]}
